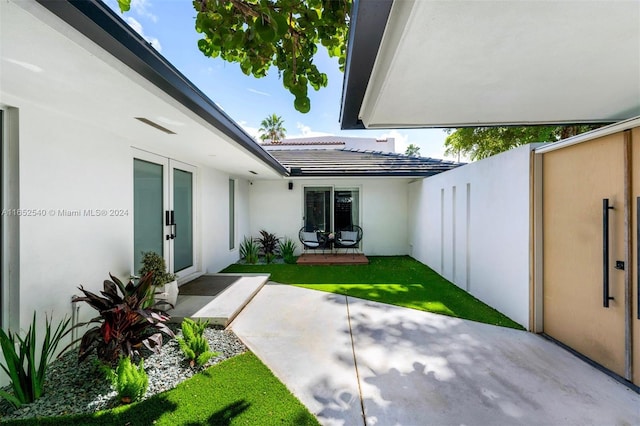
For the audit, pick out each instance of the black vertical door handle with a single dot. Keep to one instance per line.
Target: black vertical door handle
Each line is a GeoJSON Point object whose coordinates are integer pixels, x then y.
{"type": "Point", "coordinates": [605, 252]}
{"type": "Point", "coordinates": [167, 222]}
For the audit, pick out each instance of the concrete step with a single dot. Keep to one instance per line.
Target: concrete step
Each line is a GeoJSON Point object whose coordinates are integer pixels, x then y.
{"type": "Point", "coordinates": [220, 308]}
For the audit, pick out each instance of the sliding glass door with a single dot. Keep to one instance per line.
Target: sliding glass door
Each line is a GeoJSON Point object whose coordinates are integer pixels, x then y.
{"type": "Point", "coordinates": [163, 212]}
{"type": "Point", "coordinates": [330, 209]}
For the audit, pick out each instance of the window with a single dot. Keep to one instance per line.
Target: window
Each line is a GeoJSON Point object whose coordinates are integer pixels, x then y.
{"type": "Point", "coordinates": [232, 214]}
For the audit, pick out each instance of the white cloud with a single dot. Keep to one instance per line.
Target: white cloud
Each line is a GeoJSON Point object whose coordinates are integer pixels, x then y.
{"type": "Point", "coordinates": [252, 131]}
{"type": "Point", "coordinates": [259, 92]}
{"type": "Point", "coordinates": [141, 7]}
{"type": "Point", "coordinates": [137, 27]}
{"type": "Point", "coordinates": [306, 132]}
{"type": "Point", "coordinates": [401, 140]}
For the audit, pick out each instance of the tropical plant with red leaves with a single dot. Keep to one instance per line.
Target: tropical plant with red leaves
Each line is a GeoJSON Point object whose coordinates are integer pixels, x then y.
{"type": "Point", "coordinates": [124, 324]}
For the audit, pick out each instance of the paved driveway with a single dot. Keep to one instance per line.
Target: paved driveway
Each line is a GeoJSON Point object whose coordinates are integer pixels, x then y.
{"type": "Point", "coordinates": [355, 362]}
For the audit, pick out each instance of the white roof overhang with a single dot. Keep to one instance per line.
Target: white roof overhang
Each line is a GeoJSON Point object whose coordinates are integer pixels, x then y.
{"type": "Point", "coordinates": [483, 63]}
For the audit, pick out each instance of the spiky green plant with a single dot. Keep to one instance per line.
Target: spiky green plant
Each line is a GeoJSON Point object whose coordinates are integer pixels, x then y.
{"type": "Point", "coordinates": [130, 381]}
{"type": "Point", "coordinates": [287, 248]}
{"type": "Point", "coordinates": [25, 370]}
{"type": "Point", "coordinates": [249, 250]}
{"type": "Point", "coordinates": [193, 344]}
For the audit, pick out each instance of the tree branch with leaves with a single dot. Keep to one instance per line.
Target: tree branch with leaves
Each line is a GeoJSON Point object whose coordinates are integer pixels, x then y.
{"type": "Point", "coordinates": [477, 143]}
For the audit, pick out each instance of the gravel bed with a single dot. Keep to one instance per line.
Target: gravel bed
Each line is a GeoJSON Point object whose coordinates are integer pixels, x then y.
{"type": "Point", "coordinates": [72, 388]}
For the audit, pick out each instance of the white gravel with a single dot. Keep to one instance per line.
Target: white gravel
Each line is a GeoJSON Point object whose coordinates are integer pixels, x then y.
{"type": "Point", "coordinates": [76, 388]}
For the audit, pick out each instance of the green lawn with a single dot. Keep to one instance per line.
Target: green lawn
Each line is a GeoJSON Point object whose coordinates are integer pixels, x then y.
{"type": "Point", "coordinates": [397, 280]}
{"type": "Point", "coordinates": [238, 391]}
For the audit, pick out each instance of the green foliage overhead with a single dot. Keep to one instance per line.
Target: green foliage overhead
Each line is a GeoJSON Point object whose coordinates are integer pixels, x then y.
{"type": "Point", "coordinates": [285, 34]}
{"type": "Point", "coordinates": [482, 142]}
{"type": "Point", "coordinates": [24, 370]}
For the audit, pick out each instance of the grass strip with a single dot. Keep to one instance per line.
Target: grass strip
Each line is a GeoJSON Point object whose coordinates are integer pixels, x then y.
{"type": "Point", "coordinates": [396, 280]}
{"type": "Point", "coordinates": [238, 391]}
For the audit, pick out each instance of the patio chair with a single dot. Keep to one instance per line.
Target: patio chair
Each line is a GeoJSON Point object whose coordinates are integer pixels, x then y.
{"type": "Point", "coordinates": [311, 239]}
{"type": "Point", "coordinates": [348, 238]}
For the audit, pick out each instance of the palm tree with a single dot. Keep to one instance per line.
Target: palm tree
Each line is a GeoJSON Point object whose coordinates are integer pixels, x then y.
{"type": "Point", "coordinates": [271, 128]}
{"type": "Point", "coordinates": [412, 151]}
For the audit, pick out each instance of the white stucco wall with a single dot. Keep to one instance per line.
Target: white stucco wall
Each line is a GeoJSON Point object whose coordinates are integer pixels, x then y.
{"type": "Point", "coordinates": [383, 204]}
{"type": "Point", "coordinates": [68, 165]}
{"type": "Point", "coordinates": [471, 225]}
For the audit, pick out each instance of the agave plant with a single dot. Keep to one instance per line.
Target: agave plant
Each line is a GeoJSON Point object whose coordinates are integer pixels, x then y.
{"type": "Point", "coordinates": [24, 370]}
{"type": "Point", "coordinates": [249, 250]}
{"type": "Point", "coordinates": [287, 248]}
{"type": "Point", "coordinates": [125, 325]}
{"type": "Point", "coordinates": [269, 244]}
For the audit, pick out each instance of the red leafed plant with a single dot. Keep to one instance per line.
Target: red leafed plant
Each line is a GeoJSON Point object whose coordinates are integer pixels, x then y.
{"type": "Point", "coordinates": [124, 323]}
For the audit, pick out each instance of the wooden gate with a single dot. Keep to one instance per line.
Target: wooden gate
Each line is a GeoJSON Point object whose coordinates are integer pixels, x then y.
{"type": "Point", "coordinates": [590, 245]}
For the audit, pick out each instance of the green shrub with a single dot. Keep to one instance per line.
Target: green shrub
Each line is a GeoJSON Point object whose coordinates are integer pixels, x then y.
{"type": "Point", "coordinates": [125, 324]}
{"type": "Point", "coordinates": [268, 244]}
{"type": "Point", "coordinates": [24, 370]}
{"type": "Point", "coordinates": [287, 248]}
{"type": "Point", "coordinates": [153, 262]}
{"type": "Point", "coordinates": [130, 381]}
{"type": "Point", "coordinates": [193, 344]}
{"type": "Point", "coordinates": [249, 250]}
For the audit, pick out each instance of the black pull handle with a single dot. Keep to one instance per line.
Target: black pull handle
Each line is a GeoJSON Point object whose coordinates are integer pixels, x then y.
{"type": "Point", "coordinates": [167, 222]}
{"type": "Point", "coordinates": [173, 224]}
{"type": "Point", "coordinates": [605, 252]}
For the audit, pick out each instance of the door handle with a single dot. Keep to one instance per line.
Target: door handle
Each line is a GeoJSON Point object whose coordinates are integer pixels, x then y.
{"type": "Point", "coordinates": [169, 220]}
{"type": "Point", "coordinates": [605, 252]}
{"type": "Point", "coordinates": [173, 224]}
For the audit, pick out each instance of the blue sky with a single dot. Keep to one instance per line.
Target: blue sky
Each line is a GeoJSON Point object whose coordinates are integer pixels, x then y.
{"type": "Point", "coordinates": [169, 26]}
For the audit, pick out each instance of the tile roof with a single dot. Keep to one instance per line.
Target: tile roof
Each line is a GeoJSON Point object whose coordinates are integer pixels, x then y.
{"type": "Point", "coordinates": [351, 162]}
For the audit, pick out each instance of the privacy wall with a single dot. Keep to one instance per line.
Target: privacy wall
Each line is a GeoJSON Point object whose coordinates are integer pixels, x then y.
{"type": "Point", "coordinates": [471, 224]}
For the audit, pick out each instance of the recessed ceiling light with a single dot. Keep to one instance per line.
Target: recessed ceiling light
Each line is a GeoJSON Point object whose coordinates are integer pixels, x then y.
{"type": "Point", "coordinates": [155, 125]}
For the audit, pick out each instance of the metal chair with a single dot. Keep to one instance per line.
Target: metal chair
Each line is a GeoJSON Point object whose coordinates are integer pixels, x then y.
{"type": "Point", "coordinates": [312, 239]}
{"type": "Point", "coordinates": [348, 238]}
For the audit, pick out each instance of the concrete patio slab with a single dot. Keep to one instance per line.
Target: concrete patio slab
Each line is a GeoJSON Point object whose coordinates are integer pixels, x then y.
{"type": "Point", "coordinates": [421, 368]}
{"type": "Point", "coordinates": [304, 339]}
{"type": "Point", "coordinates": [221, 307]}
{"type": "Point", "coordinates": [418, 368]}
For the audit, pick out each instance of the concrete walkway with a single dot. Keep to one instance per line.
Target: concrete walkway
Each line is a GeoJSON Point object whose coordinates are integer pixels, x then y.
{"type": "Point", "coordinates": [355, 362]}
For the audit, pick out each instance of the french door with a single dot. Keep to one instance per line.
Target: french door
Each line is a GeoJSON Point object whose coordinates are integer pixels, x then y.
{"type": "Point", "coordinates": [163, 211]}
